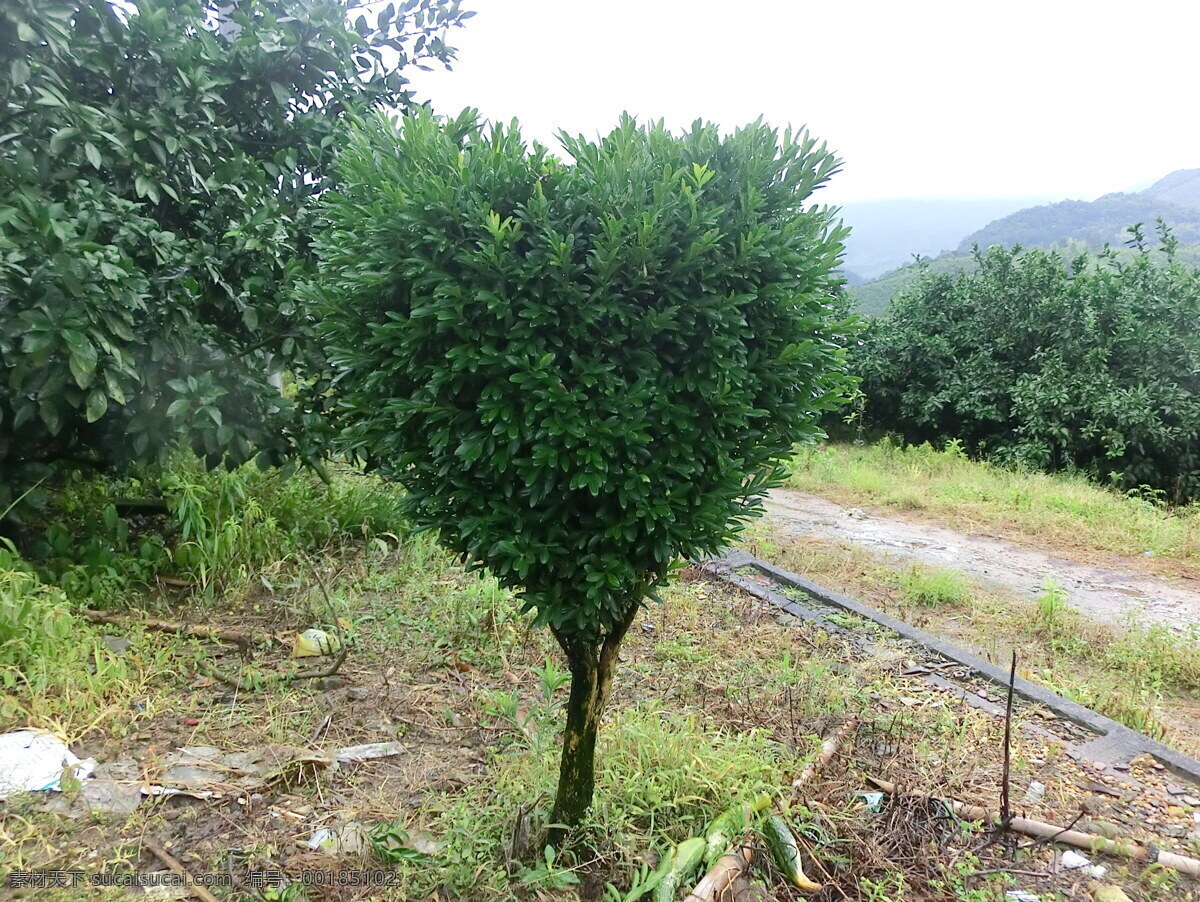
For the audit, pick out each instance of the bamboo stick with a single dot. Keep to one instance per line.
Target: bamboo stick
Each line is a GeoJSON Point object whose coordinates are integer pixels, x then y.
{"type": "Point", "coordinates": [828, 749]}
{"type": "Point", "coordinates": [718, 882]}
{"type": "Point", "coordinates": [1076, 838]}
{"type": "Point", "coordinates": [171, 626]}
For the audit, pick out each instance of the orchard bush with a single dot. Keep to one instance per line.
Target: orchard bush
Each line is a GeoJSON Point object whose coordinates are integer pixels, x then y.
{"type": "Point", "coordinates": [1092, 365]}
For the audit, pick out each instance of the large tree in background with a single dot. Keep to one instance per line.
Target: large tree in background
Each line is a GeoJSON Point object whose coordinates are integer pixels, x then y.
{"type": "Point", "coordinates": [580, 372]}
{"type": "Point", "coordinates": [157, 164]}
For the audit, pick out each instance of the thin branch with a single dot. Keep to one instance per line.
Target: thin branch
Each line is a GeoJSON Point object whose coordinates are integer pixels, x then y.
{"type": "Point", "coordinates": [220, 634]}
{"type": "Point", "coordinates": [329, 671]}
{"type": "Point", "coordinates": [1005, 810]}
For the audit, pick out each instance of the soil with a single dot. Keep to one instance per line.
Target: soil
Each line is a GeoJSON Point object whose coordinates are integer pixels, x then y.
{"type": "Point", "coordinates": [913, 733]}
{"type": "Point", "coordinates": [1106, 594]}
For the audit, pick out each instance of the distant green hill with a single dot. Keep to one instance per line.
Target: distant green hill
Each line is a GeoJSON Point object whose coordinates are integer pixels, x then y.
{"type": "Point", "coordinates": [872, 298]}
{"type": "Point", "coordinates": [886, 233]}
{"type": "Point", "coordinates": [1070, 226]}
{"type": "Point", "coordinates": [1095, 223]}
{"type": "Point", "coordinates": [1180, 187]}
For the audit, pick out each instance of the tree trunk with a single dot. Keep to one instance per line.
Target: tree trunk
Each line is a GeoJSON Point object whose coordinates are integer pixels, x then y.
{"type": "Point", "coordinates": [577, 773]}
{"type": "Point", "coordinates": [591, 664]}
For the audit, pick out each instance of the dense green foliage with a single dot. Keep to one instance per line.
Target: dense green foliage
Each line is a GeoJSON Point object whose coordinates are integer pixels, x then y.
{"type": "Point", "coordinates": [1093, 366]}
{"type": "Point", "coordinates": [873, 298]}
{"type": "Point", "coordinates": [579, 372]}
{"type": "Point", "coordinates": [156, 170]}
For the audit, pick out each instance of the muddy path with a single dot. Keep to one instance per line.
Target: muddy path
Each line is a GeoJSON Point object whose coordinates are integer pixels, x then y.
{"type": "Point", "coordinates": [1106, 594]}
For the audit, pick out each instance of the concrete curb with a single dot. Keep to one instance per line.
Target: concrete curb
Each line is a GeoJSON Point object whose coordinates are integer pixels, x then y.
{"type": "Point", "coordinates": [1115, 743]}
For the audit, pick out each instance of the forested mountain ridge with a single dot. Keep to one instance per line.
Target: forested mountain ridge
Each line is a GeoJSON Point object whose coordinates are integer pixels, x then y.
{"type": "Point", "coordinates": [1069, 226]}
{"type": "Point", "coordinates": [1175, 199]}
{"type": "Point", "coordinates": [886, 234]}
{"type": "Point", "coordinates": [1180, 187]}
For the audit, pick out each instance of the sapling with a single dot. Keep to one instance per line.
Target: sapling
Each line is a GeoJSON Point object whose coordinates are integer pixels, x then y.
{"type": "Point", "coordinates": [582, 370]}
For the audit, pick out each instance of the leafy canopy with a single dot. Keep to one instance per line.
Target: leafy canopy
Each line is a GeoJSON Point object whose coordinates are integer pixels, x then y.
{"type": "Point", "coordinates": [580, 371]}
{"type": "Point", "coordinates": [156, 171]}
{"type": "Point", "coordinates": [1092, 365]}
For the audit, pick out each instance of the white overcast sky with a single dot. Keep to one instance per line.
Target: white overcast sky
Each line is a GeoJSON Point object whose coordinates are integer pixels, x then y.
{"type": "Point", "coordinates": [925, 98]}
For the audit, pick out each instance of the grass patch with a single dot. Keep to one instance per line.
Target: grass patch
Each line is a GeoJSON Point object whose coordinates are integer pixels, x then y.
{"type": "Point", "coordinates": [1066, 512]}
{"type": "Point", "coordinates": [56, 671]}
{"type": "Point", "coordinates": [661, 777]}
{"type": "Point", "coordinates": [713, 703]}
{"type": "Point", "coordinates": [1134, 673]}
{"type": "Point", "coordinates": [106, 541]}
{"type": "Point", "coordinates": [933, 586]}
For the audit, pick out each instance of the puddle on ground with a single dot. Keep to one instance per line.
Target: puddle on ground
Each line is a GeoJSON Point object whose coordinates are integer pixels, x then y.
{"type": "Point", "coordinates": [1106, 594]}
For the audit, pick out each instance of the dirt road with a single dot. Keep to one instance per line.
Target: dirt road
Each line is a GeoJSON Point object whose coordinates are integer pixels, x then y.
{"type": "Point", "coordinates": [1106, 594]}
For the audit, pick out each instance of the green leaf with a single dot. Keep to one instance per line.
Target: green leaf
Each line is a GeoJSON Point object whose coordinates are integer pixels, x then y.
{"type": "Point", "coordinates": [93, 154]}
{"type": "Point", "coordinates": [81, 357]}
{"type": "Point", "coordinates": [114, 388]}
{"type": "Point", "coordinates": [97, 404]}
{"type": "Point", "coordinates": [61, 137]}
{"type": "Point", "coordinates": [51, 416]}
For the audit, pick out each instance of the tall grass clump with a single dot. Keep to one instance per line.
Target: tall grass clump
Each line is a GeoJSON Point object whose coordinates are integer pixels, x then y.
{"type": "Point", "coordinates": [932, 586]}
{"type": "Point", "coordinates": [35, 620]}
{"type": "Point", "coordinates": [105, 540]}
{"type": "Point", "coordinates": [56, 673]}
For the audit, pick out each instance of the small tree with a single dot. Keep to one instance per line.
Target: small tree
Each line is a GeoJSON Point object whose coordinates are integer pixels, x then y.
{"type": "Point", "coordinates": [580, 372]}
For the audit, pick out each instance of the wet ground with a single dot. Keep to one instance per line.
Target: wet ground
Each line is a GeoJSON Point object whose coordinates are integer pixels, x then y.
{"type": "Point", "coordinates": [1106, 594]}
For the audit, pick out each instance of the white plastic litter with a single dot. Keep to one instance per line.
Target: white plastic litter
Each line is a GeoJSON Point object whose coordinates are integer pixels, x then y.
{"type": "Point", "coordinates": [35, 761]}
{"type": "Point", "coordinates": [369, 751]}
{"type": "Point", "coordinates": [349, 839]}
{"type": "Point", "coordinates": [1073, 861]}
{"type": "Point", "coordinates": [322, 837]}
{"type": "Point", "coordinates": [1020, 895]}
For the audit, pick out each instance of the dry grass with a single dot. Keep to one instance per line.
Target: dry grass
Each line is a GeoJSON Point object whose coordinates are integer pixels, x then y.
{"type": "Point", "coordinates": [1067, 514]}
{"type": "Point", "coordinates": [1145, 677]}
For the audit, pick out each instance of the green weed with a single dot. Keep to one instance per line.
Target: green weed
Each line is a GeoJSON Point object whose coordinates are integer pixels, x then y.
{"type": "Point", "coordinates": [659, 779]}
{"type": "Point", "coordinates": [220, 528]}
{"type": "Point", "coordinates": [56, 672]}
{"type": "Point", "coordinates": [932, 586]}
{"type": "Point", "coordinates": [1052, 607]}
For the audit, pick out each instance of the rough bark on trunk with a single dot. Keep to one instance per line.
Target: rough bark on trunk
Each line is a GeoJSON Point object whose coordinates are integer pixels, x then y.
{"type": "Point", "coordinates": [591, 664]}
